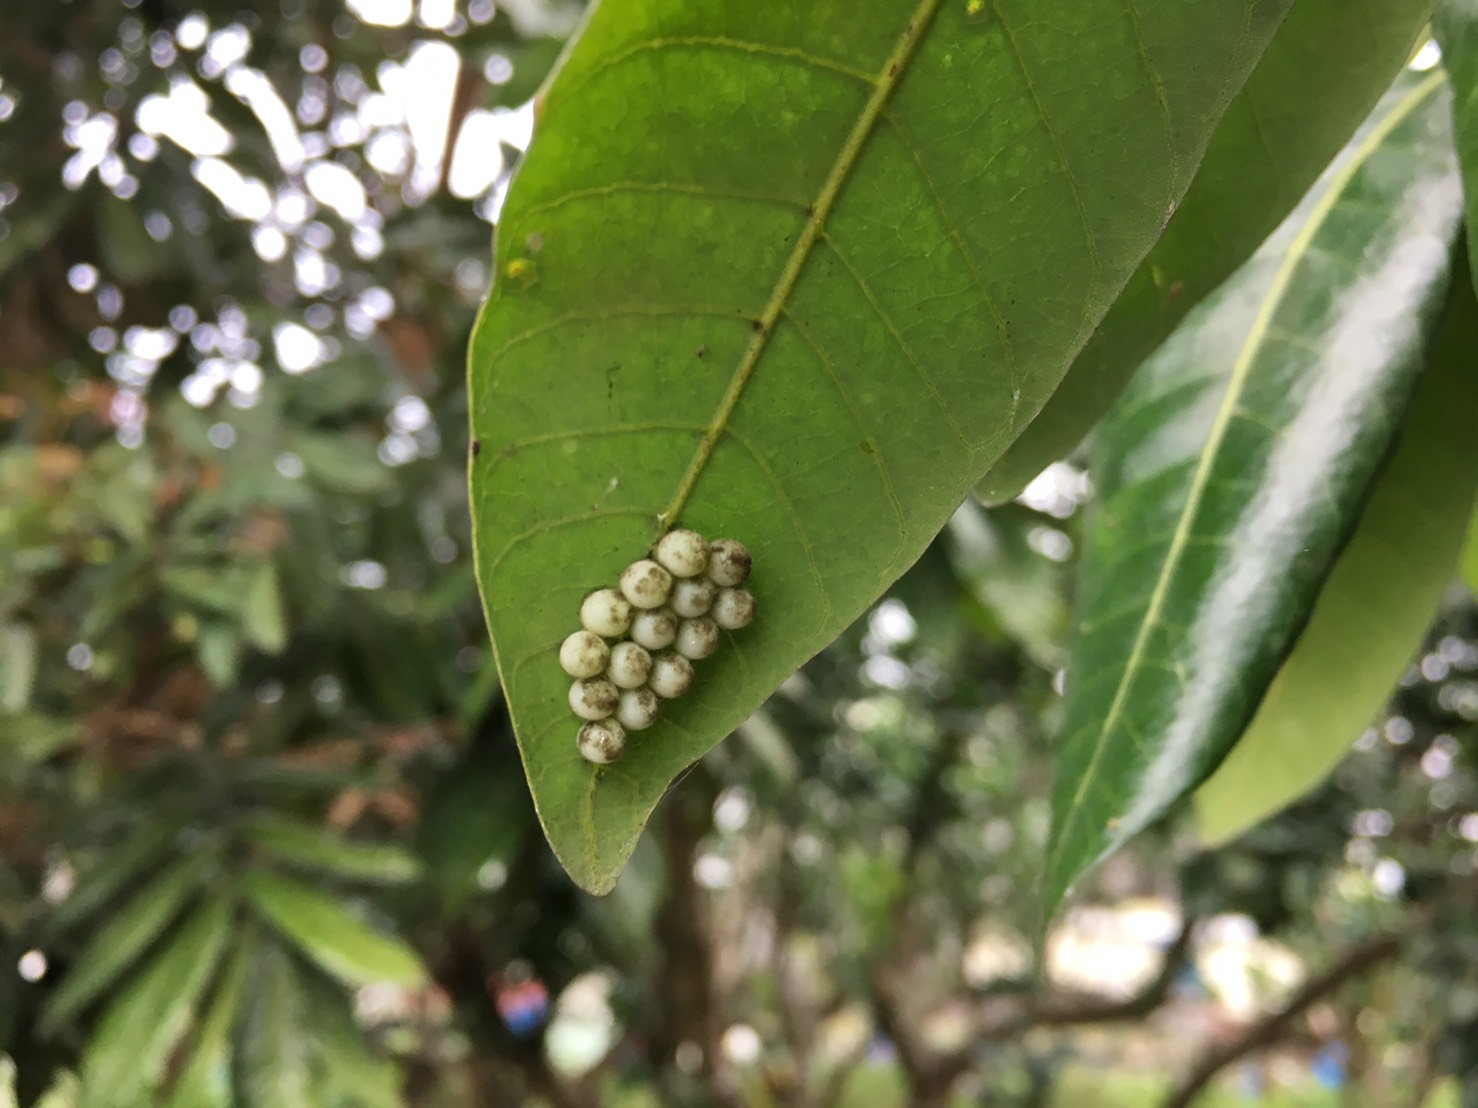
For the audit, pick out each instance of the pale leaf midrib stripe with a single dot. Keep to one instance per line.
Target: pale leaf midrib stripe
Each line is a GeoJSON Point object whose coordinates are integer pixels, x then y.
{"type": "Point", "coordinates": [892, 72]}
{"type": "Point", "coordinates": [1256, 335]}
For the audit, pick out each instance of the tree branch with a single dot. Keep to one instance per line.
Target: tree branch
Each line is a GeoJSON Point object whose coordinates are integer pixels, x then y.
{"type": "Point", "coordinates": [1356, 960]}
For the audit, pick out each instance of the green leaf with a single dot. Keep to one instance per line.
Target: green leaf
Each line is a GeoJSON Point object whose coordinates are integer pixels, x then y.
{"type": "Point", "coordinates": [348, 1070]}
{"type": "Point", "coordinates": [127, 935]}
{"type": "Point", "coordinates": [262, 619]}
{"type": "Point", "coordinates": [1278, 135]}
{"type": "Point", "coordinates": [1470, 557]}
{"type": "Point", "coordinates": [219, 649]}
{"type": "Point", "coordinates": [331, 936]}
{"type": "Point", "coordinates": [125, 1059]}
{"type": "Point", "coordinates": [315, 848]}
{"type": "Point", "coordinates": [797, 274]}
{"type": "Point", "coordinates": [1456, 26]}
{"type": "Point", "coordinates": [65, 1092]}
{"type": "Point", "coordinates": [1232, 470]}
{"type": "Point", "coordinates": [116, 870]}
{"type": "Point", "coordinates": [17, 666]}
{"type": "Point", "coordinates": [1376, 605]}
{"type": "Point", "coordinates": [274, 1040]}
{"type": "Point", "coordinates": [205, 1080]}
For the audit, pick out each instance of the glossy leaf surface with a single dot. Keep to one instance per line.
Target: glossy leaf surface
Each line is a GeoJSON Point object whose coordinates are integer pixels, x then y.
{"type": "Point", "coordinates": [1234, 468]}
{"type": "Point", "coordinates": [796, 274]}
{"type": "Point", "coordinates": [1377, 604]}
{"type": "Point", "coordinates": [1290, 119]}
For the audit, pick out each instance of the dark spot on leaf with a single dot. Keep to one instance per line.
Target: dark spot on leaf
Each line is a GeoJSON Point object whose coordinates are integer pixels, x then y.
{"type": "Point", "coordinates": [758, 324]}
{"type": "Point", "coordinates": [810, 211]}
{"type": "Point", "coordinates": [700, 352]}
{"type": "Point", "coordinates": [868, 447]}
{"type": "Point", "coordinates": [476, 447]}
{"type": "Point", "coordinates": [893, 70]}
{"type": "Point", "coordinates": [1175, 289]}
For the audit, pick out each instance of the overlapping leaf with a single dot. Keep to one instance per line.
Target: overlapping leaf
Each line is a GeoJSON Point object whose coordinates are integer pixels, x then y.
{"type": "Point", "coordinates": [125, 1058]}
{"type": "Point", "coordinates": [797, 274]}
{"type": "Point", "coordinates": [1233, 469]}
{"type": "Point", "coordinates": [1280, 132]}
{"type": "Point", "coordinates": [1377, 604]}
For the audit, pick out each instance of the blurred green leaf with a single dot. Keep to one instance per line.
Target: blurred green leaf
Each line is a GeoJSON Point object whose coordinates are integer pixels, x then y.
{"type": "Point", "coordinates": [331, 936]}
{"type": "Point", "coordinates": [317, 848]}
{"type": "Point", "coordinates": [117, 869]}
{"type": "Point", "coordinates": [125, 1058]}
{"type": "Point", "coordinates": [17, 666]}
{"type": "Point", "coordinates": [274, 1040]}
{"type": "Point", "coordinates": [826, 302]}
{"type": "Point", "coordinates": [1377, 604]}
{"type": "Point", "coordinates": [477, 817]}
{"type": "Point", "coordinates": [348, 1071]}
{"type": "Point", "coordinates": [219, 649]}
{"type": "Point", "coordinates": [1278, 135]}
{"type": "Point", "coordinates": [1470, 556]}
{"type": "Point", "coordinates": [126, 936]}
{"type": "Point", "coordinates": [263, 619]}
{"type": "Point", "coordinates": [30, 738]}
{"type": "Point", "coordinates": [205, 1080]}
{"type": "Point", "coordinates": [342, 463]}
{"type": "Point", "coordinates": [1231, 472]}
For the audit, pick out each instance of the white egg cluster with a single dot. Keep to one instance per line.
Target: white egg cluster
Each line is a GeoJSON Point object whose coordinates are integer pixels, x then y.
{"type": "Point", "coordinates": [639, 640]}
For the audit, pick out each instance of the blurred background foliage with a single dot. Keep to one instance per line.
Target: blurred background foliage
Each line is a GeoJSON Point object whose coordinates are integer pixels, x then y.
{"type": "Point", "coordinates": [264, 836]}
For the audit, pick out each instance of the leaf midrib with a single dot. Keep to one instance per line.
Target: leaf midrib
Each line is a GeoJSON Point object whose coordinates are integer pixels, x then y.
{"type": "Point", "coordinates": [887, 80]}
{"type": "Point", "coordinates": [1247, 356]}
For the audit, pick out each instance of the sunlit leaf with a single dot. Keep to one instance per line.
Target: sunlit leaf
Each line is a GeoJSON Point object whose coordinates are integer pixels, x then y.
{"type": "Point", "coordinates": [797, 274]}
{"type": "Point", "coordinates": [1232, 471]}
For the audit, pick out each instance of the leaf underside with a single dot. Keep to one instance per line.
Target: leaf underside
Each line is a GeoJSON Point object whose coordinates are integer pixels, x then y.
{"type": "Point", "coordinates": [796, 274]}
{"type": "Point", "coordinates": [1234, 468]}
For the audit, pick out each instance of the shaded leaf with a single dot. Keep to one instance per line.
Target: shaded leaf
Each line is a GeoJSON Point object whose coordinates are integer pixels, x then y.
{"type": "Point", "coordinates": [1278, 135]}
{"type": "Point", "coordinates": [1232, 471]}
{"type": "Point", "coordinates": [125, 1058]}
{"type": "Point", "coordinates": [867, 244]}
{"type": "Point", "coordinates": [1455, 24]}
{"type": "Point", "coordinates": [317, 848]}
{"type": "Point", "coordinates": [1377, 603]}
{"type": "Point", "coordinates": [347, 1069]}
{"type": "Point", "coordinates": [117, 869]}
{"type": "Point", "coordinates": [205, 1080]}
{"type": "Point", "coordinates": [127, 935]}
{"type": "Point", "coordinates": [273, 1041]}
{"type": "Point", "coordinates": [331, 936]}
